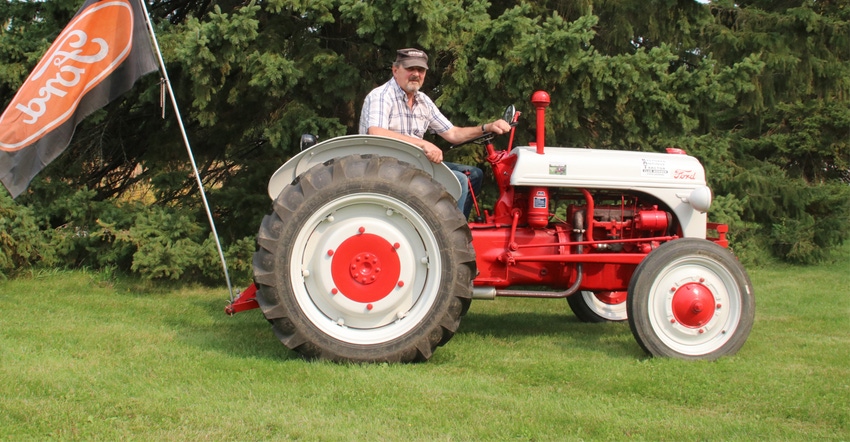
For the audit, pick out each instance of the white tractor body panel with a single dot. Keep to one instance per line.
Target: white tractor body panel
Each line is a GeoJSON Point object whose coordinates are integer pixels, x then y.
{"type": "Point", "coordinates": [361, 144]}
{"type": "Point", "coordinates": [675, 179]}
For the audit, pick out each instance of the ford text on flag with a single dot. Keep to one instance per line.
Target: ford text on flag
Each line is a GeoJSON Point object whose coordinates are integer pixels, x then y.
{"type": "Point", "coordinates": [97, 57]}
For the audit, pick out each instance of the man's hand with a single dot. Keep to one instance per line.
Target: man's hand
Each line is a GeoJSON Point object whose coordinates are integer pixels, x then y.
{"type": "Point", "coordinates": [432, 152]}
{"type": "Point", "coordinates": [498, 127]}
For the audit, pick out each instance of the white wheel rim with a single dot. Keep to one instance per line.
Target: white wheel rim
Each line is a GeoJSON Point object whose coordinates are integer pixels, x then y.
{"type": "Point", "coordinates": [700, 273]}
{"type": "Point", "coordinates": [332, 287]}
{"type": "Point", "coordinates": [611, 312]}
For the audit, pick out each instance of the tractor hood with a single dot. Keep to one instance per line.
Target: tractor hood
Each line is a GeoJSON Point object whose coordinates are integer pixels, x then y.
{"type": "Point", "coordinates": [605, 169]}
{"type": "Point", "coordinates": [677, 180]}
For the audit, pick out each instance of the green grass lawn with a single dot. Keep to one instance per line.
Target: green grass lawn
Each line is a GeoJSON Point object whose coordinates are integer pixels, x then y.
{"type": "Point", "coordinates": [86, 357]}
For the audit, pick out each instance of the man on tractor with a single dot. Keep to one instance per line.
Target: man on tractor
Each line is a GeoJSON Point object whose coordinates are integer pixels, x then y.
{"type": "Point", "coordinates": [397, 109]}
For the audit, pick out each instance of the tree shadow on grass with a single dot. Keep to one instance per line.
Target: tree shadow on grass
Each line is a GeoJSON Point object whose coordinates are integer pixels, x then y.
{"type": "Point", "coordinates": [249, 335]}
{"type": "Point", "coordinates": [611, 338]}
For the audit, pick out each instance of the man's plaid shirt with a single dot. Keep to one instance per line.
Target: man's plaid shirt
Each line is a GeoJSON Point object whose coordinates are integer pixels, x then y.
{"type": "Point", "coordinates": [386, 107]}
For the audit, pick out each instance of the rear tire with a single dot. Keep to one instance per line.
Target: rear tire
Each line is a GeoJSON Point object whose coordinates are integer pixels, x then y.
{"type": "Point", "coordinates": [364, 259]}
{"type": "Point", "coordinates": [691, 299]}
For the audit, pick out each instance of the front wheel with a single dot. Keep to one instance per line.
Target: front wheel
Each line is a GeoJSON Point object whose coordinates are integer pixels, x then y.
{"type": "Point", "coordinates": [598, 306]}
{"type": "Point", "coordinates": [364, 259]}
{"type": "Point", "coordinates": [690, 299]}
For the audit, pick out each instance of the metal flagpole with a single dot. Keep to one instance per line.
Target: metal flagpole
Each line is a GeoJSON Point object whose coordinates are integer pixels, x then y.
{"type": "Point", "coordinates": [188, 148]}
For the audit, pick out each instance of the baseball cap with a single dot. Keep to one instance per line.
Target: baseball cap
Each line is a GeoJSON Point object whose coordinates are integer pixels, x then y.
{"type": "Point", "coordinates": [412, 57]}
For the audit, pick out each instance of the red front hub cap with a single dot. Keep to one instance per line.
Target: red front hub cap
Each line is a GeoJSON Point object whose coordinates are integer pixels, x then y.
{"type": "Point", "coordinates": [693, 305]}
{"type": "Point", "coordinates": [612, 298]}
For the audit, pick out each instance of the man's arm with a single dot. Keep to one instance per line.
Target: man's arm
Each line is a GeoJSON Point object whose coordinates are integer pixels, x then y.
{"type": "Point", "coordinates": [432, 152]}
{"type": "Point", "coordinates": [457, 135]}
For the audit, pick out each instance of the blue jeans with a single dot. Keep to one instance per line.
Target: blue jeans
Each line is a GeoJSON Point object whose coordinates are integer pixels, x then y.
{"type": "Point", "coordinates": [466, 175]}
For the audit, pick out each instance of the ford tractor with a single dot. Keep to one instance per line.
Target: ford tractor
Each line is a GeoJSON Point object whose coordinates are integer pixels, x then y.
{"type": "Point", "coordinates": [365, 256]}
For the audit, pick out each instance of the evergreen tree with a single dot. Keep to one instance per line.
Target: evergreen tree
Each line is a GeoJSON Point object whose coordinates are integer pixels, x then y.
{"type": "Point", "coordinates": [757, 90]}
{"type": "Point", "coordinates": [787, 141]}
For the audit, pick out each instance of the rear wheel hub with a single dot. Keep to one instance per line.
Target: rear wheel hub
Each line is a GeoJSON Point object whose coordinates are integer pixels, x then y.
{"type": "Point", "coordinates": [365, 268]}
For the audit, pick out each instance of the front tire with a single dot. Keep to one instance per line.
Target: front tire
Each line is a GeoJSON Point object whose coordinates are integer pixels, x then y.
{"type": "Point", "coordinates": [364, 259]}
{"type": "Point", "coordinates": [597, 307]}
{"type": "Point", "coordinates": [690, 299]}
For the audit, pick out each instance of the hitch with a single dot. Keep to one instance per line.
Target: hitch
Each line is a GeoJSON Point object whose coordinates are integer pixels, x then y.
{"type": "Point", "coordinates": [247, 300]}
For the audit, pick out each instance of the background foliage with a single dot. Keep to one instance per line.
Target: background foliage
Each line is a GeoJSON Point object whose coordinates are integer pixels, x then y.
{"type": "Point", "coordinates": [758, 90]}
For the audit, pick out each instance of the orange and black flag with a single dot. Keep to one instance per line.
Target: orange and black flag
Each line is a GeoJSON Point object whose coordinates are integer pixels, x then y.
{"type": "Point", "coordinates": [97, 57]}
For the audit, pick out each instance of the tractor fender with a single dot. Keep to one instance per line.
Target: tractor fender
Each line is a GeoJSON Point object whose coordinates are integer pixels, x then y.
{"type": "Point", "coordinates": [361, 144]}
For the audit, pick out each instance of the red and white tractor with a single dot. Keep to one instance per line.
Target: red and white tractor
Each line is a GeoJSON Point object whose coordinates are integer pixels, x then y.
{"type": "Point", "coordinates": [366, 257]}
